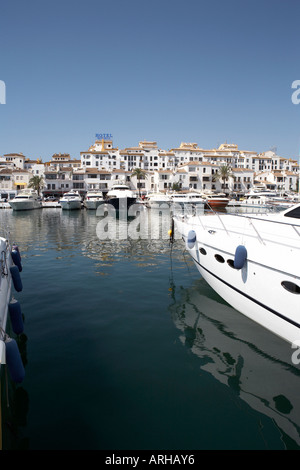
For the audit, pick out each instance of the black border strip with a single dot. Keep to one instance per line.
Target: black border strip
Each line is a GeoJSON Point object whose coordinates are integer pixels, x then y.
{"type": "Point", "coordinates": [248, 296]}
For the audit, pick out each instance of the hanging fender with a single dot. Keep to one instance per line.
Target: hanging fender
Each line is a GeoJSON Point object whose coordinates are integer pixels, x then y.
{"type": "Point", "coordinates": [17, 281]}
{"type": "Point", "coordinates": [240, 257]}
{"type": "Point", "coordinates": [14, 361]}
{"type": "Point", "coordinates": [16, 318]}
{"type": "Point", "coordinates": [191, 239]}
{"type": "Point", "coordinates": [15, 254]}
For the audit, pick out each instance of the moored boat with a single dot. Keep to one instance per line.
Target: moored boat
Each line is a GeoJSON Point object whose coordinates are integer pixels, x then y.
{"type": "Point", "coordinates": [93, 199]}
{"type": "Point", "coordinates": [187, 198]}
{"type": "Point", "coordinates": [157, 200]}
{"type": "Point", "coordinates": [252, 261]}
{"type": "Point", "coordinates": [215, 200]}
{"type": "Point", "coordinates": [26, 199]}
{"type": "Point", "coordinates": [71, 201]}
{"type": "Point", "coordinates": [121, 197]}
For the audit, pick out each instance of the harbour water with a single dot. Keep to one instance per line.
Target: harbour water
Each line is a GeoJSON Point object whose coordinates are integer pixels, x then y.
{"type": "Point", "coordinates": [126, 347]}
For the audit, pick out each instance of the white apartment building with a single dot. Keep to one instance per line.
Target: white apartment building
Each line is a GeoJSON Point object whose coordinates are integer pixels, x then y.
{"type": "Point", "coordinates": [101, 155]}
{"type": "Point", "coordinates": [189, 165]}
{"type": "Point", "coordinates": [16, 160]}
{"type": "Point", "coordinates": [280, 180]}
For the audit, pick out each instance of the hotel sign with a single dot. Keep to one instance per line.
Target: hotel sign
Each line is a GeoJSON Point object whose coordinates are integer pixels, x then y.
{"type": "Point", "coordinates": [103, 136]}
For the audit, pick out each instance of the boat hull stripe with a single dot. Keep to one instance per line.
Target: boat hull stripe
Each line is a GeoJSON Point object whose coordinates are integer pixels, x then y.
{"type": "Point", "coordinates": [248, 296]}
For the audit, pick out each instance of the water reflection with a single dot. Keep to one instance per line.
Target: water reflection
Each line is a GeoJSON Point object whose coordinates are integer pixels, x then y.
{"type": "Point", "coordinates": [105, 236]}
{"type": "Point", "coordinates": [239, 353]}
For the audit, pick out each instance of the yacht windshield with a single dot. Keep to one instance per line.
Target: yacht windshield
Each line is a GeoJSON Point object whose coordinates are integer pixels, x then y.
{"type": "Point", "coordinates": [295, 213]}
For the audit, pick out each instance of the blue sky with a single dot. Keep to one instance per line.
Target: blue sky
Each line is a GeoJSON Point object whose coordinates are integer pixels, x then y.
{"type": "Point", "coordinates": [205, 71]}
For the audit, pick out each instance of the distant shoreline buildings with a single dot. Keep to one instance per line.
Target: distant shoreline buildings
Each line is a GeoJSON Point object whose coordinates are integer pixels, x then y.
{"type": "Point", "coordinates": [188, 166]}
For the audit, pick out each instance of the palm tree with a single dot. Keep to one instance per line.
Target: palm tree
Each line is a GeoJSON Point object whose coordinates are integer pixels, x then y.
{"type": "Point", "coordinates": [140, 174]}
{"type": "Point", "coordinates": [176, 186]}
{"type": "Point", "coordinates": [223, 173]}
{"type": "Point", "coordinates": [37, 183]}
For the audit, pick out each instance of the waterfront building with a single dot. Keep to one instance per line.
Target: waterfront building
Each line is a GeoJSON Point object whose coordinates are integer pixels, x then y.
{"type": "Point", "coordinates": [101, 155]}
{"type": "Point", "coordinates": [57, 181]}
{"type": "Point", "coordinates": [242, 180]}
{"type": "Point", "coordinates": [278, 180]}
{"type": "Point", "coordinates": [16, 160]}
{"type": "Point", "coordinates": [188, 165]}
{"type": "Point", "coordinates": [36, 167]}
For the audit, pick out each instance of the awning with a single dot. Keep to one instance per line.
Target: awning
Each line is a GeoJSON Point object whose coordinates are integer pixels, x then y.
{"type": "Point", "coordinates": [20, 184]}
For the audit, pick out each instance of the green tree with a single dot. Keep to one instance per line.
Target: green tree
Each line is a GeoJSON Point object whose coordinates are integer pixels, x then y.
{"type": "Point", "coordinates": [37, 183]}
{"type": "Point", "coordinates": [223, 173]}
{"type": "Point", "coordinates": [140, 174]}
{"type": "Point", "coordinates": [176, 186]}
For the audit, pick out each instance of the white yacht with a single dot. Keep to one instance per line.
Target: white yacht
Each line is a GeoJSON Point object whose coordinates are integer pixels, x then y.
{"type": "Point", "coordinates": [26, 199]}
{"type": "Point", "coordinates": [252, 261]}
{"type": "Point", "coordinates": [187, 198]}
{"type": "Point", "coordinates": [157, 200]}
{"type": "Point", "coordinates": [121, 197]}
{"type": "Point", "coordinates": [71, 200]}
{"type": "Point", "coordinates": [253, 200]}
{"type": "Point", "coordinates": [93, 199]}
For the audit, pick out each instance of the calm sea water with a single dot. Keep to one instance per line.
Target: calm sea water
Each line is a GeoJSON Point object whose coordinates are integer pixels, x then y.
{"type": "Point", "coordinates": [127, 347]}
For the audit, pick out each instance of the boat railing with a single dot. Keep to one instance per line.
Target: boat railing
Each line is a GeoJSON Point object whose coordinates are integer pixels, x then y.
{"type": "Point", "coordinates": [252, 220]}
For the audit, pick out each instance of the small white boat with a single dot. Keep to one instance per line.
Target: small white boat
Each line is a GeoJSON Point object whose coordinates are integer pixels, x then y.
{"type": "Point", "coordinates": [26, 199]}
{"type": "Point", "coordinates": [253, 200]}
{"type": "Point", "coordinates": [71, 201]}
{"type": "Point", "coordinates": [93, 199]}
{"type": "Point", "coordinates": [121, 197]}
{"type": "Point", "coordinates": [252, 261]}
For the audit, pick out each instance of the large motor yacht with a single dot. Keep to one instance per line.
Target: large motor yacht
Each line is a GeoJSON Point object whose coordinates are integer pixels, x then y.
{"type": "Point", "coordinates": [121, 197]}
{"type": "Point", "coordinates": [26, 199]}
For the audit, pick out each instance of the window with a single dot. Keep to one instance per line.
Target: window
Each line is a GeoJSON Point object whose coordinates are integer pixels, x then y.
{"type": "Point", "coordinates": [291, 287]}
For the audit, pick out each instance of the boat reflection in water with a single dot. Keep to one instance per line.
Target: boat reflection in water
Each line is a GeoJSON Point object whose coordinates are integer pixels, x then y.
{"type": "Point", "coordinates": [256, 364]}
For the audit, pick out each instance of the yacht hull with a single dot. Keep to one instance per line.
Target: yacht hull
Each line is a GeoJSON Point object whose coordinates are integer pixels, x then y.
{"type": "Point", "coordinates": [261, 289]}
{"type": "Point", "coordinates": [93, 205]}
{"type": "Point", "coordinates": [24, 205]}
{"type": "Point", "coordinates": [70, 205]}
{"type": "Point", "coordinates": [121, 203]}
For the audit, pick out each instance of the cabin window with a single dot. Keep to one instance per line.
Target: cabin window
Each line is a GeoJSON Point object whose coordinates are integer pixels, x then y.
{"type": "Point", "coordinates": [202, 251]}
{"type": "Point", "coordinates": [220, 258]}
{"type": "Point", "coordinates": [230, 263]}
{"type": "Point", "coordinates": [291, 287]}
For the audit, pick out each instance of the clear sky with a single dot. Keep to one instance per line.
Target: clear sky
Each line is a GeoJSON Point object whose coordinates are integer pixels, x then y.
{"type": "Point", "coordinates": [205, 71]}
